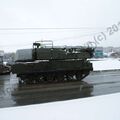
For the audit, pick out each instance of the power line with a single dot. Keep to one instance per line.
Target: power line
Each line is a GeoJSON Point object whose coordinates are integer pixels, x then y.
{"type": "Point", "coordinates": [60, 28]}
{"type": "Point", "coordinates": [15, 45]}
{"type": "Point", "coordinates": [55, 39]}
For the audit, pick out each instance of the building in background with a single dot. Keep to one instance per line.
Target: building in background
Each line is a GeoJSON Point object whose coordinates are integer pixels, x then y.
{"type": "Point", "coordinates": [98, 52]}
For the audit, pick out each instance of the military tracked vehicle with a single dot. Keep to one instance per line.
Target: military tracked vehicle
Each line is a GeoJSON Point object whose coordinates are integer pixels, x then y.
{"type": "Point", "coordinates": [47, 63]}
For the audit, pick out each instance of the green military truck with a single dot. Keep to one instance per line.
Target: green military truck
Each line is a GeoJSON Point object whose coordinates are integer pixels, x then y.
{"type": "Point", "coordinates": [46, 63]}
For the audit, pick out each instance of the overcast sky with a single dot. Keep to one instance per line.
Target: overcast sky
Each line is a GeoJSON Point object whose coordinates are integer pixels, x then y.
{"type": "Point", "coordinates": [90, 16]}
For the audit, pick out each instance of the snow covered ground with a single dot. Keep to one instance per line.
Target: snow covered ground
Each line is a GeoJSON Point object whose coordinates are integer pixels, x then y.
{"type": "Point", "coordinates": [105, 107]}
{"type": "Point", "coordinates": [105, 64]}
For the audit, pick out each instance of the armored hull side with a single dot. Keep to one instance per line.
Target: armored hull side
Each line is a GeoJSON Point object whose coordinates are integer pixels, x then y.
{"type": "Point", "coordinates": [50, 66]}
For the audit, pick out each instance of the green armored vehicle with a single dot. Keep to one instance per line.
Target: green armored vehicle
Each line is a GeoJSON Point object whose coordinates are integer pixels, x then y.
{"type": "Point", "coordinates": [45, 63]}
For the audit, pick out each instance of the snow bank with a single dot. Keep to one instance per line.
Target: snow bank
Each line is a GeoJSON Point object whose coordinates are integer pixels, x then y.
{"type": "Point", "coordinates": [105, 64]}
{"type": "Point", "coordinates": [105, 107]}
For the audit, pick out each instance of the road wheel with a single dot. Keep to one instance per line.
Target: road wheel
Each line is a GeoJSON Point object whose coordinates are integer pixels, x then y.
{"type": "Point", "coordinates": [49, 78]}
{"type": "Point", "coordinates": [59, 77]}
{"type": "Point", "coordinates": [79, 76]}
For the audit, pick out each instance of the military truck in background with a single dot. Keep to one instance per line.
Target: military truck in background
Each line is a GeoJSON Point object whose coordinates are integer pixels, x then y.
{"type": "Point", "coordinates": [4, 69]}
{"type": "Point", "coordinates": [47, 63]}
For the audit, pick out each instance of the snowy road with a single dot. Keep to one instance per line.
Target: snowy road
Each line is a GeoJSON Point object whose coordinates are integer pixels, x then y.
{"type": "Point", "coordinates": [97, 83]}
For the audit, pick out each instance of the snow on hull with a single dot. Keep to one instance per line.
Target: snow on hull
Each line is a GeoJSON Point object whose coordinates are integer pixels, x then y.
{"type": "Point", "coordinates": [106, 64]}
{"type": "Point", "coordinates": [106, 107]}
